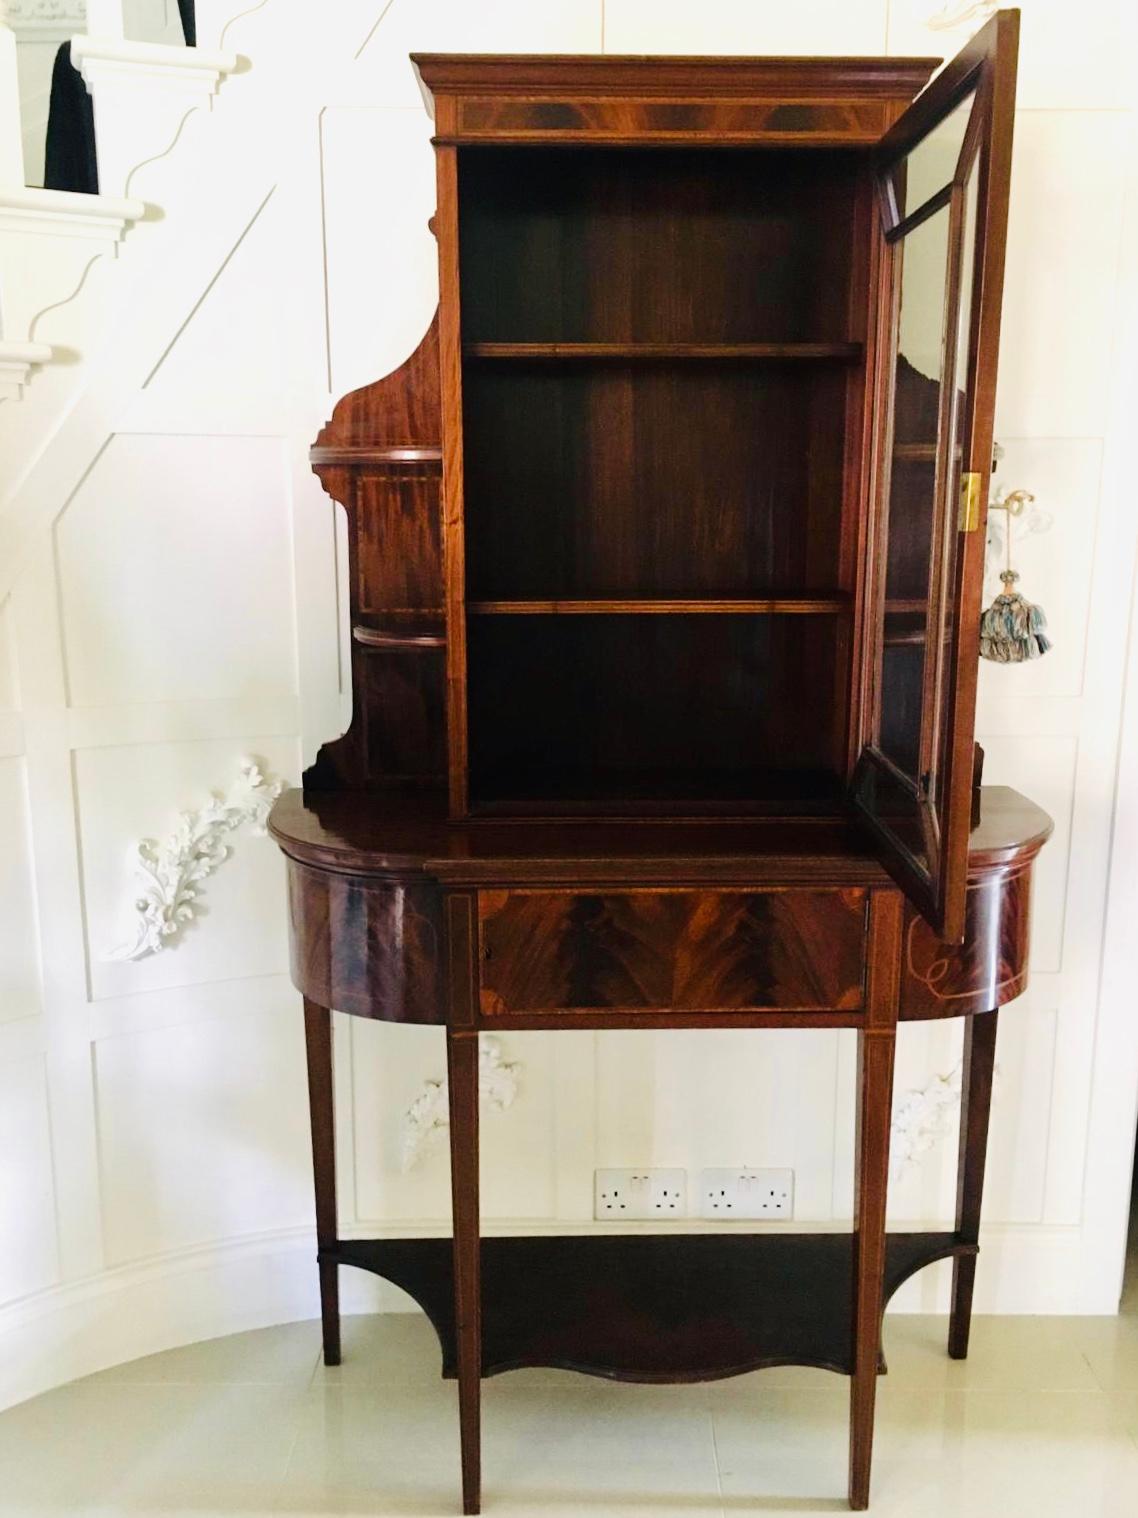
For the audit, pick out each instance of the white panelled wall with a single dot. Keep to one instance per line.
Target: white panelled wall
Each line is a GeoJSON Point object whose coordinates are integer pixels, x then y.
{"type": "Point", "coordinates": [169, 604]}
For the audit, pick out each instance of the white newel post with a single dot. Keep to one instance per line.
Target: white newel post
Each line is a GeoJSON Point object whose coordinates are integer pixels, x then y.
{"type": "Point", "coordinates": [142, 92]}
{"type": "Point", "coordinates": [105, 20]}
{"type": "Point", "coordinates": [17, 358]}
{"type": "Point", "coordinates": [11, 129]}
{"type": "Point", "coordinates": [48, 238]}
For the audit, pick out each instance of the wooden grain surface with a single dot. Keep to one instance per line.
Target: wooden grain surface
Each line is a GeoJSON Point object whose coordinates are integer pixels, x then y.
{"type": "Point", "coordinates": [365, 890]}
{"type": "Point", "coordinates": [679, 951]}
{"type": "Point", "coordinates": [397, 834]}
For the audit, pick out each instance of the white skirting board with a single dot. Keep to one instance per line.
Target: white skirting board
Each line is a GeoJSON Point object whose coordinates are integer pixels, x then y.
{"type": "Point", "coordinates": [71, 1331]}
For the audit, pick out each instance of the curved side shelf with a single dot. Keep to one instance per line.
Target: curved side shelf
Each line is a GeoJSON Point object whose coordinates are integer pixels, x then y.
{"type": "Point", "coordinates": [349, 454]}
{"type": "Point", "coordinates": [668, 1307]}
{"type": "Point", "coordinates": [412, 631]}
{"type": "Point", "coordinates": [380, 457]}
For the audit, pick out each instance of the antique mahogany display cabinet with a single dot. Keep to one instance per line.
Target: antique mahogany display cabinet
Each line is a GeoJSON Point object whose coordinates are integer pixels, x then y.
{"type": "Point", "coordinates": [666, 551]}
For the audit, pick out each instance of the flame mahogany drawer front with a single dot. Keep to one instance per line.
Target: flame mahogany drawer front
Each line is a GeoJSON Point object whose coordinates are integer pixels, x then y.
{"type": "Point", "coordinates": [659, 951]}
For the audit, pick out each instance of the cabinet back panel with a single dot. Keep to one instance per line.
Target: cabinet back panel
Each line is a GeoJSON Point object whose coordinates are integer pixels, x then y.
{"type": "Point", "coordinates": [398, 548]}
{"type": "Point", "coordinates": [611, 708]}
{"type": "Point", "coordinates": [652, 478]}
{"type": "Point", "coordinates": [657, 245]}
{"type": "Point", "coordinates": [402, 695]}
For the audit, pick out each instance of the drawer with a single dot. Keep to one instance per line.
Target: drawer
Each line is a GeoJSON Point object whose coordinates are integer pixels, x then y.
{"type": "Point", "coordinates": [657, 951]}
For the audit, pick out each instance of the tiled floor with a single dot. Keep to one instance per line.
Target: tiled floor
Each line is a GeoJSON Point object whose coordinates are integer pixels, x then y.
{"type": "Point", "coordinates": [1040, 1421]}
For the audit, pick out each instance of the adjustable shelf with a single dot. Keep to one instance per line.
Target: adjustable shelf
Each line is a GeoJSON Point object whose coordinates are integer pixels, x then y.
{"type": "Point", "coordinates": [806, 605]}
{"type": "Point", "coordinates": [778, 352]}
{"type": "Point", "coordinates": [653, 791]}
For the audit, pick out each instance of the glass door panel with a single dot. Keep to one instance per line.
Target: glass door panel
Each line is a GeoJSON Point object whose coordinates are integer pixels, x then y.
{"type": "Point", "coordinates": [943, 179]}
{"type": "Point", "coordinates": [921, 272]}
{"type": "Point", "coordinates": [948, 638]}
{"type": "Point", "coordinates": [916, 177]}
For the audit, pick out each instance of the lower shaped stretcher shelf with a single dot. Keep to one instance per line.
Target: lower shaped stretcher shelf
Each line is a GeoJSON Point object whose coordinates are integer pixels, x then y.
{"type": "Point", "coordinates": [651, 1307]}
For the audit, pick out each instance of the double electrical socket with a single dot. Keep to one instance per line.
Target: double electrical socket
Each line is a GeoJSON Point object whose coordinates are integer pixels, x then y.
{"type": "Point", "coordinates": [722, 1194]}
{"type": "Point", "coordinates": [634, 1195]}
{"type": "Point", "coordinates": [746, 1194]}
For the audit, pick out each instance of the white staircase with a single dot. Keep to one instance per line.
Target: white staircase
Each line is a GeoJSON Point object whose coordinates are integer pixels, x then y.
{"type": "Point", "coordinates": [145, 84]}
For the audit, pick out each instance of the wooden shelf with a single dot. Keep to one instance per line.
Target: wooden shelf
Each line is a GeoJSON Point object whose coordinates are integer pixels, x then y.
{"type": "Point", "coordinates": [810, 606]}
{"type": "Point", "coordinates": [778, 352]}
{"type": "Point", "coordinates": [922, 452]}
{"type": "Point", "coordinates": [642, 1307]}
{"type": "Point", "coordinates": [906, 622]}
{"type": "Point", "coordinates": [552, 790]}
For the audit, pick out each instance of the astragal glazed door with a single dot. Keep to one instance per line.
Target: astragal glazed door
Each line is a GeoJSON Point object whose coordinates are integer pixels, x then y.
{"type": "Point", "coordinates": [943, 172]}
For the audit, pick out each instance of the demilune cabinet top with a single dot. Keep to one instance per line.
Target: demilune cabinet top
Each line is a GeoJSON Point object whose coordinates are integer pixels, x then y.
{"type": "Point", "coordinates": [678, 509]}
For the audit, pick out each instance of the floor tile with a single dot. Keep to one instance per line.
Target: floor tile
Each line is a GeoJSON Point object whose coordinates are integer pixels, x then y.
{"type": "Point", "coordinates": [1110, 1346]}
{"type": "Point", "coordinates": [991, 1454]}
{"type": "Point", "coordinates": [984, 1454]}
{"type": "Point", "coordinates": [108, 1449]}
{"type": "Point", "coordinates": [781, 1444]}
{"type": "Point", "coordinates": [1126, 1405]}
{"type": "Point", "coordinates": [382, 1349]}
{"type": "Point", "coordinates": [600, 1445]}
{"type": "Point", "coordinates": [284, 1355]}
{"type": "Point", "coordinates": [1032, 1353]}
{"type": "Point", "coordinates": [376, 1449]}
{"type": "Point", "coordinates": [1042, 1420]}
{"type": "Point", "coordinates": [547, 1448]}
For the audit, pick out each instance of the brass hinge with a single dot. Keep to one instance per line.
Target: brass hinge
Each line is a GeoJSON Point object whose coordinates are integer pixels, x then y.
{"type": "Point", "coordinates": [969, 502]}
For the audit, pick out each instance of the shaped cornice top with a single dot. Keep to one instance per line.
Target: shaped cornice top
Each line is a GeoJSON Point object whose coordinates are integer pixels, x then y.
{"type": "Point", "coordinates": [537, 75]}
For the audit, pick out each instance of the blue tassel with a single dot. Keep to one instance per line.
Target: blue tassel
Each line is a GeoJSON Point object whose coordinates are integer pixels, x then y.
{"type": "Point", "coordinates": [1012, 630]}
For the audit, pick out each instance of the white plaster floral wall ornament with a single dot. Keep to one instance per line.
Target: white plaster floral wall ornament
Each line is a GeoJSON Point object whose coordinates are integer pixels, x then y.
{"type": "Point", "coordinates": [172, 871]}
{"type": "Point", "coordinates": [954, 13]}
{"type": "Point", "coordinates": [921, 1118]}
{"type": "Point", "coordinates": [427, 1119]}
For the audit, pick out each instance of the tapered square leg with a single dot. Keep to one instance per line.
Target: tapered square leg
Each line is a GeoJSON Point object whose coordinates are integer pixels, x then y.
{"type": "Point", "coordinates": [876, 1047]}
{"type": "Point", "coordinates": [875, 1062]}
{"type": "Point", "coordinates": [975, 1108]}
{"type": "Point", "coordinates": [321, 1109]}
{"type": "Point", "coordinates": [462, 1073]}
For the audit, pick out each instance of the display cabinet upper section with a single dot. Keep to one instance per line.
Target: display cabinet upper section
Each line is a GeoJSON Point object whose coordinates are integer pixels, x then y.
{"type": "Point", "coordinates": [662, 519]}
